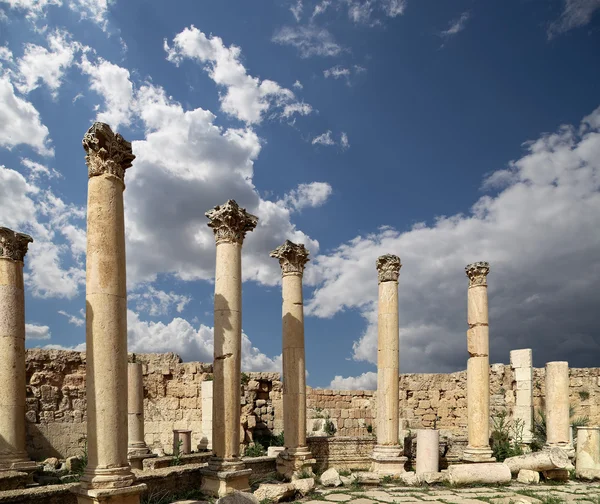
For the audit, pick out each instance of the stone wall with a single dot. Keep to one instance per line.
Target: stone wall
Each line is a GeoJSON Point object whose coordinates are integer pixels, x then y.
{"type": "Point", "coordinates": [56, 403]}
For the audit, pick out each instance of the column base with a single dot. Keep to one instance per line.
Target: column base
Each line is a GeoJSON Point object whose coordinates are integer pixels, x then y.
{"type": "Point", "coordinates": [293, 461]}
{"type": "Point", "coordinates": [137, 454]}
{"type": "Point", "coordinates": [106, 479]}
{"type": "Point", "coordinates": [478, 455]}
{"type": "Point", "coordinates": [388, 460]}
{"type": "Point", "coordinates": [223, 477]}
{"type": "Point", "coordinates": [128, 495]}
{"type": "Point", "coordinates": [566, 447]}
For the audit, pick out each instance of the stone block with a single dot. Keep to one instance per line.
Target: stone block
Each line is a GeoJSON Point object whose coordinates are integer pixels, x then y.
{"type": "Point", "coordinates": [521, 358]}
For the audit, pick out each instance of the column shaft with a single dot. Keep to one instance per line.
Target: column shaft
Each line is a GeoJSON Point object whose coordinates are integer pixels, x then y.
{"type": "Point", "coordinates": [557, 404]}
{"type": "Point", "coordinates": [227, 351]}
{"type": "Point", "coordinates": [135, 408]}
{"type": "Point", "coordinates": [388, 363]}
{"type": "Point", "coordinates": [12, 369]}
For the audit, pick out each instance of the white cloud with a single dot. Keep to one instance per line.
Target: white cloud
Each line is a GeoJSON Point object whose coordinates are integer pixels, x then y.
{"type": "Point", "coordinates": [157, 302]}
{"type": "Point", "coordinates": [537, 232]}
{"type": "Point", "coordinates": [74, 319]}
{"type": "Point", "coordinates": [36, 170]}
{"type": "Point", "coordinates": [298, 85]}
{"type": "Point", "coordinates": [336, 72]}
{"type": "Point", "coordinates": [320, 8]}
{"type": "Point", "coordinates": [113, 83]}
{"type": "Point", "coordinates": [365, 381]}
{"type": "Point", "coordinates": [324, 139]}
{"type": "Point", "coordinates": [308, 40]}
{"type": "Point", "coordinates": [296, 10]}
{"type": "Point", "coordinates": [456, 26]}
{"type": "Point", "coordinates": [39, 64]}
{"type": "Point", "coordinates": [94, 10]}
{"type": "Point", "coordinates": [191, 344]}
{"type": "Point", "coordinates": [75, 348]}
{"type": "Point", "coordinates": [576, 13]}
{"type": "Point", "coordinates": [344, 142]}
{"type": "Point", "coordinates": [246, 98]}
{"type": "Point", "coordinates": [37, 332]}
{"type": "Point", "coordinates": [5, 55]}
{"type": "Point", "coordinates": [20, 121]}
{"type": "Point", "coordinates": [368, 11]}
{"type": "Point", "coordinates": [312, 195]}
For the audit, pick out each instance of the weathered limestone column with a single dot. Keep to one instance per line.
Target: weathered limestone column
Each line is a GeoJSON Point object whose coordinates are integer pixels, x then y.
{"type": "Point", "coordinates": [587, 464]}
{"type": "Point", "coordinates": [557, 407]}
{"type": "Point", "coordinates": [108, 476]}
{"type": "Point", "coordinates": [428, 451]}
{"type": "Point", "coordinates": [137, 450]}
{"type": "Point", "coordinates": [226, 472]}
{"type": "Point", "coordinates": [13, 457]}
{"type": "Point", "coordinates": [387, 456]}
{"type": "Point", "coordinates": [296, 457]}
{"type": "Point", "coordinates": [478, 366]}
{"type": "Point", "coordinates": [522, 364]}
{"type": "Point", "coordinates": [207, 414]}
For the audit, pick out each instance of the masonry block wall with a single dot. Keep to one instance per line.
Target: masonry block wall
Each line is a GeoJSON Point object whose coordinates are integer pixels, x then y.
{"type": "Point", "coordinates": [56, 402]}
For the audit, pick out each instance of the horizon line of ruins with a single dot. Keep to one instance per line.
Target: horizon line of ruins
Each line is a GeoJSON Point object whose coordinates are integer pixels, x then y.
{"type": "Point", "coordinates": [115, 431]}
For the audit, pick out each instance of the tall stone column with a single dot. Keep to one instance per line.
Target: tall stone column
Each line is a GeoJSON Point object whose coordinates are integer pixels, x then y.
{"type": "Point", "coordinates": [226, 472]}
{"type": "Point", "coordinates": [296, 457]}
{"type": "Point", "coordinates": [137, 450]}
{"type": "Point", "coordinates": [557, 407]}
{"type": "Point", "coordinates": [108, 476]}
{"type": "Point", "coordinates": [13, 247]}
{"type": "Point", "coordinates": [522, 365]}
{"type": "Point", "coordinates": [478, 366]}
{"type": "Point", "coordinates": [388, 454]}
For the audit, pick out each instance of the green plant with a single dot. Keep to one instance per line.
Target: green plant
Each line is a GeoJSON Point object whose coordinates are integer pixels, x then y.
{"type": "Point", "coordinates": [387, 479]}
{"type": "Point", "coordinates": [245, 379]}
{"type": "Point", "coordinates": [344, 472]}
{"type": "Point", "coordinates": [370, 429]}
{"type": "Point", "coordinates": [177, 455]}
{"type": "Point", "coordinates": [539, 427]}
{"type": "Point", "coordinates": [552, 499]}
{"type": "Point", "coordinates": [329, 427]}
{"type": "Point", "coordinates": [266, 501]}
{"type": "Point", "coordinates": [584, 395]}
{"type": "Point", "coordinates": [304, 474]}
{"type": "Point", "coordinates": [209, 377]}
{"type": "Point", "coordinates": [271, 440]}
{"type": "Point", "coordinates": [255, 450]}
{"type": "Point", "coordinates": [355, 485]}
{"type": "Point", "coordinates": [507, 437]}
{"type": "Point", "coordinates": [84, 461]}
{"type": "Point", "coordinates": [318, 413]}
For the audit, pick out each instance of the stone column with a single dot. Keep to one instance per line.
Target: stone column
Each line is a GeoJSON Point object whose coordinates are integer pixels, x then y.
{"type": "Point", "coordinates": [387, 456]}
{"type": "Point", "coordinates": [207, 411]}
{"type": "Point", "coordinates": [522, 365]}
{"type": "Point", "coordinates": [478, 366]}
{"type": "Point", "coordinates": [137, 450]}
{"type": "Point", "coordinates": [13, 457]}
{"type": "Point", "coordinates": [428, 451]}
{"type": "Point", "coordinates": [296, 457]}
{"type": "Point", "coordinates": [588, 453]}
{"type": "Point", "coordinates": [108, 476]}
{"type": "Point", "coordinates": [557, 407]}
{"type": "Point", "coordinates": [226, 472]}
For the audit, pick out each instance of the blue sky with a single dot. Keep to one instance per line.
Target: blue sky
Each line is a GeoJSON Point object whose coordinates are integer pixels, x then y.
{"type": "Point", "coordinates": [443, 132]}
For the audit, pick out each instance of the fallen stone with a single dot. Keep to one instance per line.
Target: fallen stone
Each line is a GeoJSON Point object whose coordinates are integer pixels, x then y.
{"type": "Point", "coordinates": [482, 473]}
{"type": "Point", "coordinates": [409, 478]}
{"type": "Point", "coordinates": [51, 462]}
{"type": "Point", "coordinates": [589, 474]}
{"type": "Point", "coordinates": [239, 498]}
{"type": "Point", "coordinates": [528, 477]}
{"type": "Point", "coordinates": [347, 480]}
{"type": "Point", "coordinates": [331, 478]}
{"type": "Point", "coordinates": [274, 492]}
{"type": "Point", "coordinates": [555, 458]}
{"type": "Point", "coordinates": [273, 451]}
{"type": "Point", "coordinates": [46, 479]}
{"type": "Point", "coordinates": [74, 464]}
{"type": "Point", "coordinates": [304, 486]}
{"type": "Point", "coordinates": [432, 477]}
{"type": "Point", "coordinates": [557, 475]}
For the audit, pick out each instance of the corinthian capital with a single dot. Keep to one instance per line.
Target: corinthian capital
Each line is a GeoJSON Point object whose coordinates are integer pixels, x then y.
{"type": "Point", "coordinates": [13, 245]}
{"type": "Point", "coordinates": [292, 258]}
{"type": "Point", "coordinates": [477, 273]}
{"type": "Point", "coordinates": [107, 152]}
{"type": "Point", "coordinates": [230, 223]}
{"type": "Point", "coordinates": [388, 268]}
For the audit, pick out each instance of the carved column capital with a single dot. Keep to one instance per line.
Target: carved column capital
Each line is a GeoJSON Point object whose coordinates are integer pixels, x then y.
{"type": "Point", "coordinates": [477, 273]}
{"type": "Point", "coordinates": [388, 268]}
{"type": "Point", "coordinates": [13, 245]}
{"type": "Point", "coordinates": [230, 222]}
{"type": "Point", "coordinates": [107, 152]}
{"type": "Point", "coordinates": [292, 258]}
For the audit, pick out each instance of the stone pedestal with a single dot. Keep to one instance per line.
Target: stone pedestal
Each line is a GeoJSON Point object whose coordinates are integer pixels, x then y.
{"type": "Point", "coordinates": [137, 450]}
{"type": "Point", "coordinates": [13, 457]}
{"type": "Point", "coordinates": [296, 457]}
{"type": "Point", "coordinates": [388, 454]}
{"type": "Point", "coordinates": [588, 452]}
{"type": "Point", "coordinates": [226, 472]}
{"type": "Point", "coordinates": [522, 365]}
{"type": "Point", "coordinates": [478, 366]}
{"type": "Point", "coordinates": [108, 476]}
{"type": "Point", "coordinates": [557, 407]}
{"type": "Point", "coordinates": [428, 451]}
{"type": "Point", "coordinates": [182, 442]}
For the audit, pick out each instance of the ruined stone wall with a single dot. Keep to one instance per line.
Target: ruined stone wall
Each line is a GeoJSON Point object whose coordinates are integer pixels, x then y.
{"type": "Point", "coordinates": [56, 402]}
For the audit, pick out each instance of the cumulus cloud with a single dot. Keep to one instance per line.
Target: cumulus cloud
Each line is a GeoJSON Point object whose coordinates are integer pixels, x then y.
{"type": "Point", "coordinates": [365, 381]}
{"type": "Point", "coordinates": [246, 98]}
{"type": "Point", "coordinates": [78, 321]}
{"type": "Point", "coordinates": [336, 72]}
{"type": "Point", "coordinates": [309, 40]}
{"type": "Point", "coordinates": [298, 85]}
{"type": "Point", "coordinates": [344, 142]}
{"type": "Point", "coordinates": [38, 170]}
{"type": "Point", "coordinates": [296, 10]}
{"type": "Point", "coordinates": [314, 194]}
{"type": "Point", "coordinates": [327, 140]}
{"type": "Point", "coordinates": [37, 332]}
{"type": "Point", "coordinates": [539, 233]}
{"type": "Point", "coordinates": [576, 13]}
{"type": "Point", "coordinates": [94, 10]}
{"type": "Point", "coordinates": [158, 302]}
{"type": "Point", "coordinates": [456, 26]}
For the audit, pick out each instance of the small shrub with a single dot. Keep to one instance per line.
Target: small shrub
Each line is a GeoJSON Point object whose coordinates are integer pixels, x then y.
{"type": "Point", "coordinates": [266, 501]}
{"type": "Point", "coordinates": [271, 440]}
{"type": "Point", "coordinates": [344, 472]}
{"type": "Point", "coordinates": [304, 474]}
{"type": "Point", "coordinates": [355, 485]}
{"type": "Point", "coordinates": [584, 395]}
{"type": "Point", "coordinates": [255, 450]}
{"type": "Point", "coordinates": [370, 429]}
{"type": "Point", "coordinates": [209, 377]}
{"type": "Point", "coordinates": [177, 455]}
{"type": "Point", "coordinates": [329, 428]}
{"type": "Point", "coordinates": [387, 479]}
{"type": "Point", "coordinates": [507, 437]}
{"type": "Point", "coordinates": [245, 379]}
